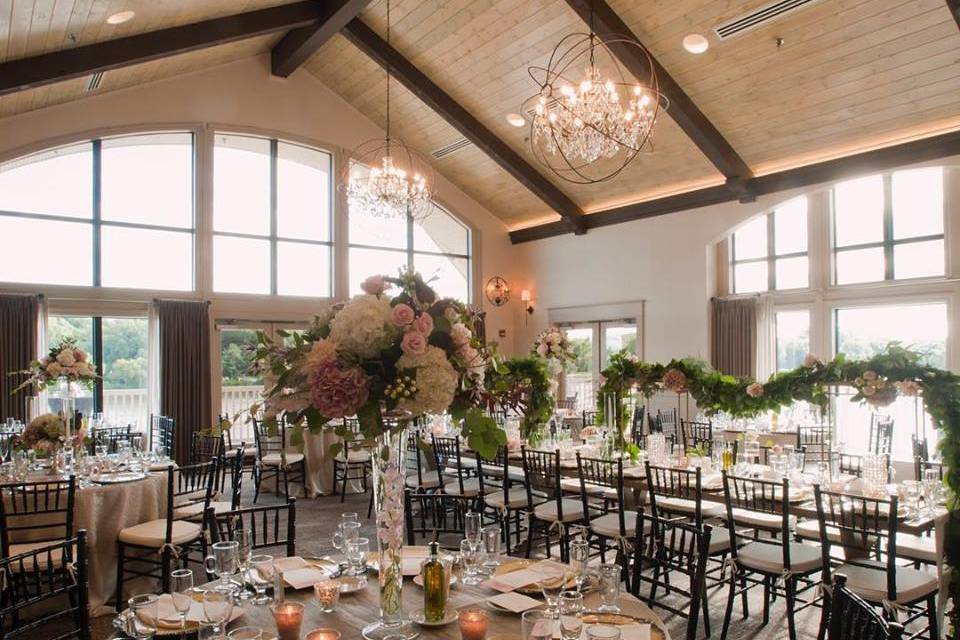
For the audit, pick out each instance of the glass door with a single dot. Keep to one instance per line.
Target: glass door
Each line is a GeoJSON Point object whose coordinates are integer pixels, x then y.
{"type": "Point", "coordinates": [594, 343]}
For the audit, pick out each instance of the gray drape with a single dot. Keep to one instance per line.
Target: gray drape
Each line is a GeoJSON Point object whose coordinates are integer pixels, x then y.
{"type": "Point", "coordinates": [18, 347]}
{"type": "Point", "coordinates": [733, 336]}
{"type": "Point", "coordinates": [184, 370]}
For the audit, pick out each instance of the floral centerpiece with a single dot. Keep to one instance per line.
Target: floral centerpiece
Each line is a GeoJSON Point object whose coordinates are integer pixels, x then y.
{"type": "Point", "coordinates": [47, 433]}
{"type": "Point", "coordinates": [65, 360]}
{"type": "Point", "coordinates": [522, 385]}
{"type": "Point", "coordinates": [386, 360]}
{"type": "Point", "coordinates": [553, 346]}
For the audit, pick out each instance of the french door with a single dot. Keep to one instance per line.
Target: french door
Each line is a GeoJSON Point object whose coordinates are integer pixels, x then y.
{"type": "Point", "coordinates": [594, 343]}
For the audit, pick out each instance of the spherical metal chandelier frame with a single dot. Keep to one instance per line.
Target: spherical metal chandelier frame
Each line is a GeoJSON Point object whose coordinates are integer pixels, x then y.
{"type": "Point", "coordinates": [586, 146]}
{"type": "Point", "coordinates": [385, 178]}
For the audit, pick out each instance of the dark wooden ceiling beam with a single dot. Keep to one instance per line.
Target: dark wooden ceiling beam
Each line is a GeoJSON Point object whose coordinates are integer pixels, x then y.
{"type": "Point", "coordinates": [954, 6]}
{"type": "Point", "coordinates": [463, 121]}
{"type": "Point", "coordinates": [47, 68]}
{"type": "Point", "coordinates": [299, 44]}
{"type": "Point", "coordinates": [682, 109]}
{"type": "Point", "coordinates": [885, 159]}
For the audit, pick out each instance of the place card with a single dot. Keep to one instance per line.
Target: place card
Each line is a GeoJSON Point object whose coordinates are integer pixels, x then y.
{"type": "Point", "coordinates": [515, 602]}
{"type": "Point", "coordinates": [289, 564]}
{"type": "Point", "coordinates": [304, 578]}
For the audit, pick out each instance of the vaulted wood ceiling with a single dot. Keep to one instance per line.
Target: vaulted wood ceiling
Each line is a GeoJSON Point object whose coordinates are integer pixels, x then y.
{"type": "Point", "coordinates": [850, 75]}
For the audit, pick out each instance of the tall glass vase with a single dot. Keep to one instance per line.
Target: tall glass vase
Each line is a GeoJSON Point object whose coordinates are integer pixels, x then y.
{"type": "Point", "coordinates": [388, 486]}
{"type": "Point", "coordinates": [67, 408]}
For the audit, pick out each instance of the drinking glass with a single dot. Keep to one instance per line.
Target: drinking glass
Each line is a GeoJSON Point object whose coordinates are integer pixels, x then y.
{"type": "Point", "coordinates": [579, 557]}
{"type": "Point", "coordinates": [181, 582]}
{"type": "Point", "coordinates": [338, 532]}
{"type": "Point", "coordinates": [912, 490]}
{"type": "Point", "coordinates": [328, 594]}
{"type": "Point", "coordinates": [472, 525]}
{"type": "Point", "coordinates": [356, 552]}
{"type": "Point", "coordinates": [609, 587]}
{"type": "Point", "coordinates": [491, 548]}
{"type": "Point", "coordinates": [603, 632]}
{"type": "Point", "coordinates": [932, 486]}
{"type": "Point", "coordinates": [571, 610]}
{"type": "Point", "coordinates": [468, 562]}
{"type": "Point", "coordinates": [536, 624]}
{"type": "Point", "coordinates": [223, 562]}
{"type": "Point", "coordinates": [246, 633]}
{"type": "Point", "coordinates": [217, 608]}
{"type": "Point", "coordinates": [142, 619]}
{"type": "Point", "coordinates": [261, 575]}
{"type": "Point", "coordinates": [244, 539]}
{"type": "Point", "coordinates": [551, 583]}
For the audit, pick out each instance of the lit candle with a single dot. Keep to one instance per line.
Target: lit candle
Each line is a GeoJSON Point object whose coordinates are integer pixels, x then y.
{"type": "Point", "coordinates": [289, 617]}
{"type": "Point", "coordinates": [323, 634]}
{"type": "Point", "coordinates": [473, 624]}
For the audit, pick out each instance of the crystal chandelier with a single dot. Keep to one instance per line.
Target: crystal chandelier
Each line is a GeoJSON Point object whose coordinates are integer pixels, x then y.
{"type": "Point", "coordinates": [384, 177]}
{"type": "Point", "coordinates": [588, 129]}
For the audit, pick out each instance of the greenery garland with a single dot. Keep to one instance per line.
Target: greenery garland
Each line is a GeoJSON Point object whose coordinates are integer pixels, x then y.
{"type": "Point", "coordinates": [523, 385]}
{"type": "Point", "coordinates": [877, 380]}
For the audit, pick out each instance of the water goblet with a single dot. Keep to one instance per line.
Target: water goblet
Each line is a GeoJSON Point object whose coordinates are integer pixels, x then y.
{"type": "Point", "coordinates": [571, 610]}
{"type": "Point", "coordinates": [356, 552]}
{"type": "Point", "coordinates": [579, 557]}
{"type": "Point", "coordinates": [491, 548]}
{"type": "Point", "coordinates": [142, 618]}
{"type": "Point", "coordinates": [181, 583]}
{"type": "Point", "coordinates": [340, 533]}
{"type": "Point", "coordinates": [223, 562]}
{"type": "Point", "coordinates": [261, 575]}
{"type": "Point", "coordinates": [217, 608]}
{"type": "Point", "coordinates": [468, 562]}
{"type": "Point", "coordinates": [552, 582]}
{"type": "Point", "coordinates": [244, 538]}
{"type": "Point", "coordinates": [536, 624]}
{"type": "Point", "coordinates": [932, 487]}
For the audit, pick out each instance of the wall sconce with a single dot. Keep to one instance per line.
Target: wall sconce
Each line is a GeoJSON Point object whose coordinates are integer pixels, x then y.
{"type": "Point", "coordinates": [527, 301]}
{"type": "Point", "coordinates": [497, 291]}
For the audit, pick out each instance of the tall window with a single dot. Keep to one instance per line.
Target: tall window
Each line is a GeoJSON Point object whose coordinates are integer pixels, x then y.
{"type": "Point", "coordinates": [770, 252]}
{"type": "Point", "coordinates": [271, 217]}
{"type": "Point", "coordinates": [438, 247]}
{"type": "Point", "coordinates": [793, 338]}
{"type": "Point", "coordinates": [889, 227]}
{"type": "Point", "coordinates": [109, 213]}
{"type": "Point", "coordinates": [119, 347]}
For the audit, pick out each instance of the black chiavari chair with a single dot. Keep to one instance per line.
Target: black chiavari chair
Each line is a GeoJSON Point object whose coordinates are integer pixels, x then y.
{"type": "Point", "coordinates": [663, 550]}
{"type": "Point", "coordinates": [881, 434]}
{"type": "Point", "coordinates": [853, 619]}
{"type": "Point", "coordinates": [546, 505]}
{"type": "Point", "coordinates": [446, 451]}
{"type": "Point", "coordinates": [161, 434]}
{"type": "Point", "coordinates": [272, 527]}
{"type": "Point", "coordinates": [502, 494]}
{"type": "Point", "coordinates": [195, 490]}
{"type": "Point", "coordinates": [697, 435]}
{"type": "Point", "coordinates": [111, 437]}
{"type": "Point", "coordinates": [206, 446]}
{"type": "Point", "coordinates": [601, 492]}
{"type": "Point", "coordinates": [351, 463]}
{"type": "Point", "coordinates": [764, 505]}
{"type": "Point", "coordinates": [850, 464]}
{"type": "Point", "coordinates": [273, 459]}
{"type": "Point", "coordinates": [667, 425]}
{"type": "Point", "coordinates": [48, 584]}
{"type": "Point", "coordinates": [34, 514]}
{"type": "Point", "coordinates": [590, 418]}
{"type": "Point", "coordinates": [920, 448]}
{"type": "Point", "coordinates": [420, 476]}
{"type": "Point", "coordinates": [815, 441]}
{"type": "Point", "coordinates": [248, 451]}
{"type": "Point", "coordinates": [433, 515]}
{"type": "Point", "coordinates": [638, 427]}
{"type": "Point", "coordinates": [863, 525]}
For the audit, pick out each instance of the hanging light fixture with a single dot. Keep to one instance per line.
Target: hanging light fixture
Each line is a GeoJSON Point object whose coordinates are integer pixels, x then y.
{"type": "Point", "coordinates": [385, 178]}
{"type": "Point", "coordinates": [587, 129]}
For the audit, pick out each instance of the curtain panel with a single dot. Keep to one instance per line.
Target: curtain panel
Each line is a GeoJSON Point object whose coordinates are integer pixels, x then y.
{"type": "Point", "coordinates": [184, 370]}
{"type": "Point", "coordinates": [19, 316]}
{"type": "Point", "coordinates": [733, 336]}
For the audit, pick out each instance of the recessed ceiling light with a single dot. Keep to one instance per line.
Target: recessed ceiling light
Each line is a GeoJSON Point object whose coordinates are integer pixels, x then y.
{"type": "Point", "coordinates": [695, 43]}
{"type": "Point", "coordinates": [120, 17]}
{"type": "Point", "coordinates": [516, 119]}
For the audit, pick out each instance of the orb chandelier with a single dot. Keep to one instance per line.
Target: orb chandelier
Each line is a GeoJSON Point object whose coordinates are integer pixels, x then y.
{"type": "Point", "coordinates": [384, 178]}
{"type": "Point", "coordinates": [587, 128]}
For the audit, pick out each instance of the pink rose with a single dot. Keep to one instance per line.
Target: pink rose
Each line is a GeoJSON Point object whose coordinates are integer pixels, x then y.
{"type": "Point", "coordinates": [810, 361]}
{"type": "Point", "coordinates": [755, 390]}
{"type": "Point", "coordinates": [424, 324]}
{"type": "Point", "coordinates": [402, 315]}
{"type": "Point", "coordinates": [675, 381]}
{"type": "Point", "coordinates": [460, 334]}
{"type": "Point", "coordinates": [79, 355]}
{"type": "Point", "coordinates": [374, 285]}
{"type": "Point", "coordinates": [414, 343]}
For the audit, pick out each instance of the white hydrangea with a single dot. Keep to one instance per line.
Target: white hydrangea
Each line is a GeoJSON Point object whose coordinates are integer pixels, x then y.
{"type": "Point", "coordinates": [436, 381]}
{"type": "Point", "coordinates": [363, 326]}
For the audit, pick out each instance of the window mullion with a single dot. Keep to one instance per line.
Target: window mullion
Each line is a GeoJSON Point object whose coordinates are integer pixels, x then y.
{"type": "Point", "coordinates": [771, 254]}
{"type": "Point", "coordinates": [888, 227]}
{"type": "Point", "coordinates": [409, 241]}
{"type": "Point", "coordinates": [273, 216]}
{"type": "Point", "coordinates": [98, 358]}
{"type": "Point", "coordinates": [97, 192]}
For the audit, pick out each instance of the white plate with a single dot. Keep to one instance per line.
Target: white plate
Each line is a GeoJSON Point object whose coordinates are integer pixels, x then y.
{"type": "Point", "coordinates": [418, 580]}
{"type": "Point", "coordinates": [118, 478]}
{"type": "Point", "coordinates": [450, 615]}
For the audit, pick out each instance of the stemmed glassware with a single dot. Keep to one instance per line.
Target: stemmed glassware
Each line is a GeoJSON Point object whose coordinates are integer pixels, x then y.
{"type": "Point", "coordinates": [552, 582]}
{"type": "Point", "coordinates": [142, 618]}
{"type": "Point", "coordinates": [469, 561]}
{"type": "Point", "coordinates": [261, 575]}
{"type": "Point", "coordinates": [347, 528]}
{"type": "Point", "coordinates": [181, 583]}
{"type": "Point", "coordinates": [932, 487]}
{"type": "Point", "coordinates": [579, 557]}
{"type": "Point", "coordinates": [244, 538]}
{"type": "Point", "coordinates": [223, 563]}
{"type": "Point", "coordinates": [356, 551]}
{"type": "Point", "coordinates": [217, 608]}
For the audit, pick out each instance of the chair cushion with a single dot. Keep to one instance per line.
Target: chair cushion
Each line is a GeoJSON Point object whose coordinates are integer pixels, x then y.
{"type": "Point", "coordinates": [518, 498]}
{"type": "Point", "coordinates": [430, 481]}
{"type": "Point", "coordinates": [471, 487]}
{"type": "Point", "coordinates": [151, 534]}
{"type": "Point", "coordinates": [810, 530]}
{"type": "Point", "coordinates": [195, 509]}
{"type": "Point", "coordinates": [43, 559]}
{"type": "Point", "coordinates": [719, 541]}
{"type": "Point", "coordinates": [688, 507]}
{"type": "Point", "coordinates": [769, 557]}
{"type": "Point", "coordinates": [761, 520]}
{"type": "Point", "coordinates": [355, 456]}
{"type": "Point", "coordinates": [609, 524]}
{"type": "Point", "coordinates": [922, 548]}
{"type": "Point", "coordinates": [871, 583]}
{"type": "Point", "coordinates": [274, 459]}
{"type": "Point", "coordinates": [572, 510]}
{"type": "Point", "coordinates": [573, 486]}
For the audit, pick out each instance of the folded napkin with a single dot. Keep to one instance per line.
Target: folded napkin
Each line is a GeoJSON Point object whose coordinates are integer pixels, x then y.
{"type": "Point", "coordinates": [507, 582]}
{"type": "Point", "coordinates": [305, 577]}
{"type": "Point", "coordinates": [515, 602]}
{"type": "Point", "coordinates": [289, 564]}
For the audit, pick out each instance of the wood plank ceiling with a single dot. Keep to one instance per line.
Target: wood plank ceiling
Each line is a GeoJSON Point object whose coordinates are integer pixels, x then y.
{"type": "Point", "coordinates": [851, 75]}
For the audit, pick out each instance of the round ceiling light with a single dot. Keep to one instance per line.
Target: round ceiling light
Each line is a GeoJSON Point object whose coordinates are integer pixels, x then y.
{"type": "Point", "coordinates": [695, 43]}
{"type": "Point", "coordinates": [120, 17]}
{"type": "Point", "coordinates": [516, 119]}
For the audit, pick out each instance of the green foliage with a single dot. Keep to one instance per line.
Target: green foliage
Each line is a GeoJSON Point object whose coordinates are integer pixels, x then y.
{"type": "Point", "coordinates": [522, 384]}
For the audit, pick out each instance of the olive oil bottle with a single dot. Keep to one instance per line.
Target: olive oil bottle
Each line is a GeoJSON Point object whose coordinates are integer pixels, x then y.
{"type": "Point", "coordinates": [435, 585]}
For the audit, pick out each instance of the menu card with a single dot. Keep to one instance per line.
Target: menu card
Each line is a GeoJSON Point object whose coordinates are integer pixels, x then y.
{"type": "Point", "coordinates": [515, 602]}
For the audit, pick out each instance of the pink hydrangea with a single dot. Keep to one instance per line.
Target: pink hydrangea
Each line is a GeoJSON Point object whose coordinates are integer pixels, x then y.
{"type": "Point", "coordinates": [414, 343]}
{"type": "Point", "coordinates": [338, 392]}
{"type": "Point", "coordinates": [810, 361]}
{"type": "Point", "coordinates": [401, 315]}
{"type": "Point", "coordinates": [374, 285]}
{"type": "Point", "coordinates": [424, 324]}
{"type": "Point", "coordinates": [675, 381]}
{"type": "Point", "coordinates": [755, 390]}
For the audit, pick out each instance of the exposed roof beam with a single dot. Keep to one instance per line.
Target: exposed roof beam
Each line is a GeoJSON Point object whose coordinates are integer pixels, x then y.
{"type": "Point", "coordinates": [682, 109]}
{"type": "Point", "coordinates": [954, 6]}
{"type": "Point", "coordinates": [450, 110]}
{"type": "Point", "coordinates": [884, 159]}
{"type": "Point", "coordinates": [47, 68]}
{"type": "Point", "coordinates": [298, 45]}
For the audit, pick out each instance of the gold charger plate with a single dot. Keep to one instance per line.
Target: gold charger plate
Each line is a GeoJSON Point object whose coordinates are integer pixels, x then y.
{"type": "Point", "coordinates": [622, 620]}
{"type": "Point", "coordinates": [517, 565]}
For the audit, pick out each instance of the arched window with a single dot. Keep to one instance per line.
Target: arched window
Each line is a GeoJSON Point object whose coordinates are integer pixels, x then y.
{"type": "Point", "coordinates": [101, 213]}
{"type": "Point", "coordinates": [438, 247]}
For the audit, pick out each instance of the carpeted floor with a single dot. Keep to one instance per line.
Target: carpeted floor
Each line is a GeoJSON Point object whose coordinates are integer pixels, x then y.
{"type": "Point", "coordinates": [316, 518]}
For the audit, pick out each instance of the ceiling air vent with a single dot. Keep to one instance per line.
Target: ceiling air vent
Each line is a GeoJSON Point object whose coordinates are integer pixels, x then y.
{"type": "Point", "coordinates": [94, 82]}
{"type": "Point", "coordinates": [450, 149]}
{"type": "Point", "coordinates": [759, 17]}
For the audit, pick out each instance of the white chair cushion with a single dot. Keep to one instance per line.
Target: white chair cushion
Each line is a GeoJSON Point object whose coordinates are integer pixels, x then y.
{"type": "Point", "coordinates": [871, 583]}
{"type": "Point", "coordinates": [195, 509]}
{"type": "Point", "coordinates": [761, 520]}
{"type": "Point", "coordinates": [769, 557]}
{"type": "Point", "coordinates": [922, 548]}
{"type": "Point", "coordinates": [518, 498]}
{"type": "Point", "coordinates": [572, 510]}
{"type": "Point", "coordinates": [573, 486]}
{"type": "Point", "coordinates": [471, 487]}
{"type": "Point", "coordinates": [43, 559]}
{"type": "Point", "coordinates": [151, 534]}
{"type": "Point", "coordinates": [719, 541]}
{"type": "Point", "coordinates": [688, 507]}
{"type": "Point", "coordinates": [274, 459]}
{"type": "Point", "coordinates": [355, 456]}
{"type": "Point", "coordinates": [430, 481]}
{"type": "Point", "coordinates": [609, 525]}
{"type": "Point", "coordinates": [810, 530]}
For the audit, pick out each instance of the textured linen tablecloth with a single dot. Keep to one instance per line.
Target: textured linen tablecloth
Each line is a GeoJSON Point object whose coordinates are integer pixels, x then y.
{"type": "Point", "coordinates": [317, 462]}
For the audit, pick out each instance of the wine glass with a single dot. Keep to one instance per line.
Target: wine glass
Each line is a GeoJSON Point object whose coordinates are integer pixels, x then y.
{"type": "Point", "coordinates": [244, 539]}
{"type": "Point", "coordinates": [472, 526]}
{"type": "Point", "coordinates": [217, 608]}
{"type": "Point", "coordinates": [552, 581]}
{"type": "Point", "coordinates": [181, 583]}
{"type": "Point", "coordinates": [142, 619]}
{"type": "Point", "coordinates": [579, 557]}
